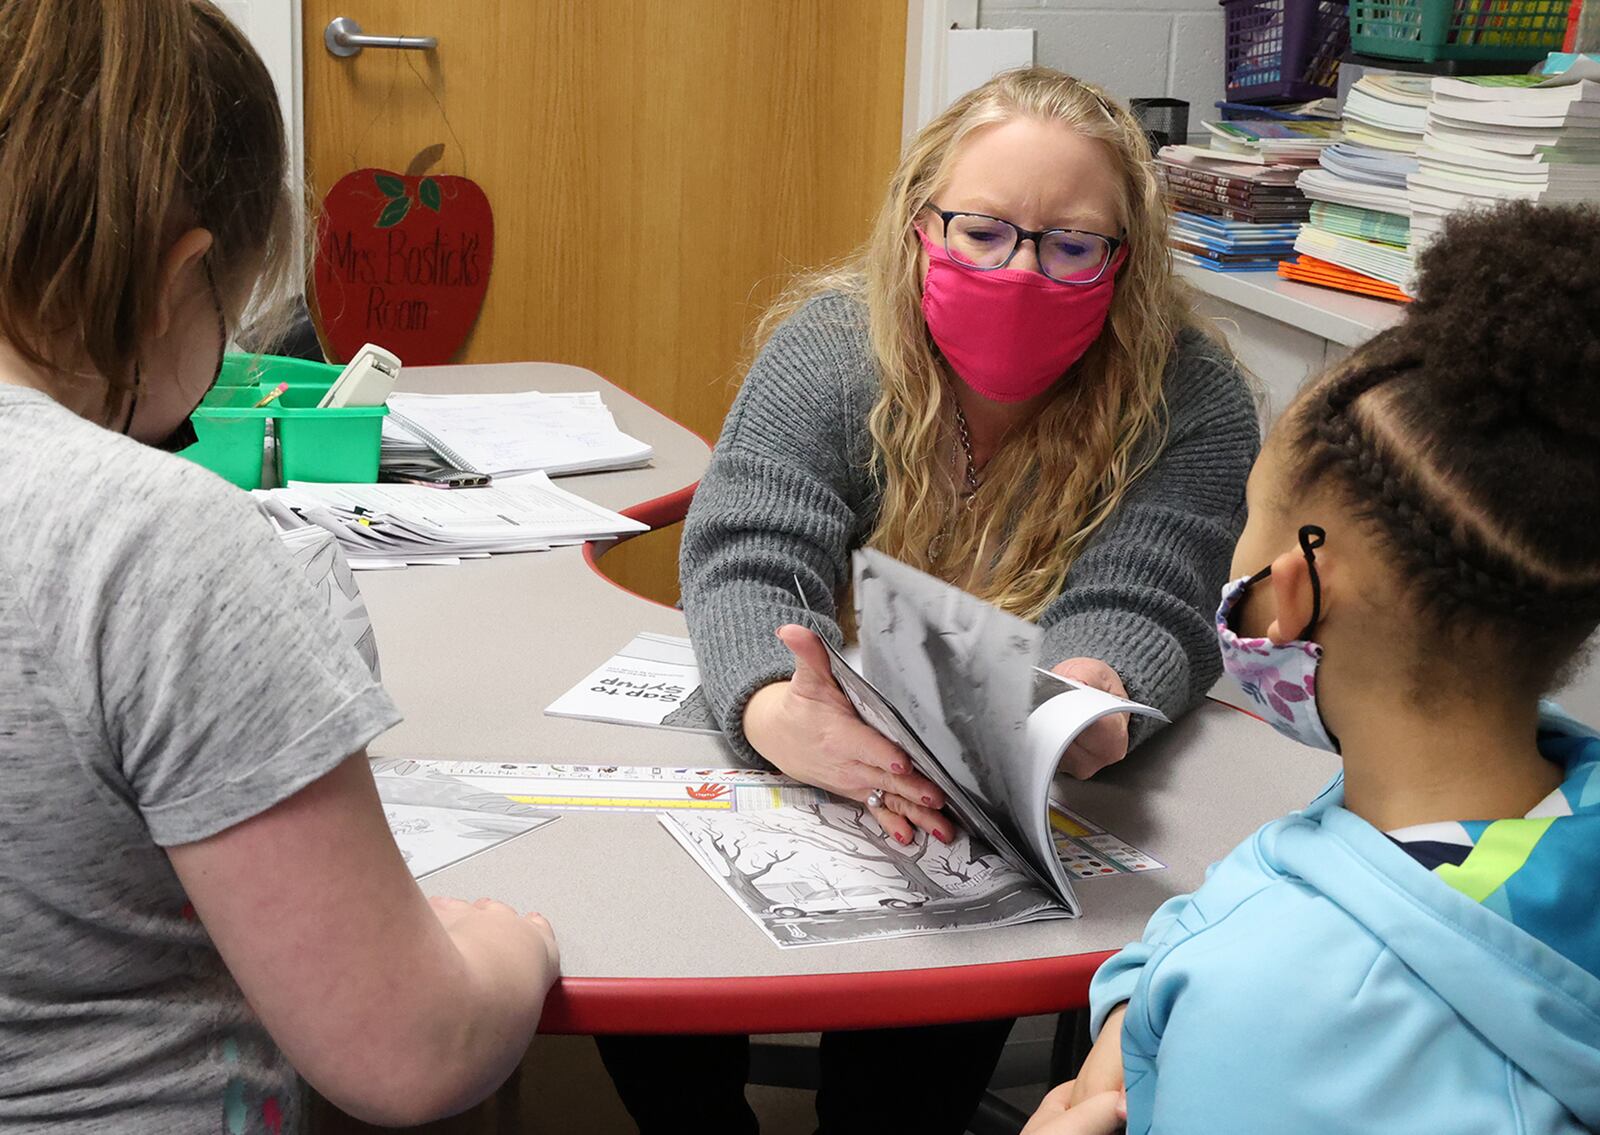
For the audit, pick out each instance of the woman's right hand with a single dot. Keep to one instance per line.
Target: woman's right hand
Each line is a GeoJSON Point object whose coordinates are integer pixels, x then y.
{"type": "Point", "coordinates": [809, 730]}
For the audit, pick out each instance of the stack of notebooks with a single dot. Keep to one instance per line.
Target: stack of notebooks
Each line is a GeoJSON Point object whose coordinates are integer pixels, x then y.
{"type": "Point", "coordinates": [504, 435]}
{"type": "Point", "coordinates": [392, 526]}
{"type": "Point", "coordinates": [1505, 138]}
{"type": "Point", "coordinates": [1358, 237]}
{"type": "Point", "coordinates": [1230, 216]}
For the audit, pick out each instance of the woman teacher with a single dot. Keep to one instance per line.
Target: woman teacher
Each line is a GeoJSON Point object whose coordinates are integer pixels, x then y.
{"type": "Point", "coordinates": [1007, 388]}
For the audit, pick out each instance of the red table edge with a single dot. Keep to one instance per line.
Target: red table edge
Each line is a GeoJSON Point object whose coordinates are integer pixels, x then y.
{"type": "Point", "coordinates": [817, 1002]}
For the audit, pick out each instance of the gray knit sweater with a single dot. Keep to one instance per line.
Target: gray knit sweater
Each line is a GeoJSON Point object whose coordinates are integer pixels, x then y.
{"type": "Point", "coordinates": [790, 492]}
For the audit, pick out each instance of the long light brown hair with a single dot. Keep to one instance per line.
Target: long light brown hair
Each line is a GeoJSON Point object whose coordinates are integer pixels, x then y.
{"type": "Point", "coordinates": [1054, 482]}
{"type": "Point", "coordinates": [122, 123]}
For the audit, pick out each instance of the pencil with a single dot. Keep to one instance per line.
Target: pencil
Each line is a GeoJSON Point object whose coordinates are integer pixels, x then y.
{"type": "Point", "coordinates": [271, 396]}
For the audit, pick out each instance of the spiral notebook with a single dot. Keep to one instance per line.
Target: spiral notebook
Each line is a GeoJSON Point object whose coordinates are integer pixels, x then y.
{"type": "Point", "coordinates": [503, 435]}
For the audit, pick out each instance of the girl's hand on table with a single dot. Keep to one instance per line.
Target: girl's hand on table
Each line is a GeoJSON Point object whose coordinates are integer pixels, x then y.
{"type": "Point", "coordinates": [1100, 1114]}
{"type": "Point", "coordinates": [1106, 741]}
{"type": "Point", "coordinates": [809, 730]}
{"type": "Point", "coordinates": [525, 937]}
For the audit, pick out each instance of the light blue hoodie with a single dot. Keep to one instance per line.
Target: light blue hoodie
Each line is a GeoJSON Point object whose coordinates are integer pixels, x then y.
{"type": "Point", "coordinates": [1322, 980]}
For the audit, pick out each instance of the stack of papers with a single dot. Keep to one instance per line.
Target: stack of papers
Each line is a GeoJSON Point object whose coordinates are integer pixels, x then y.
{"type": "Point", "coordinates": [1388, 112]}
{"type": "Point", "coordinates": [391, 526]}
{"type": "Point", "coordinates": [1230, 246]}
{"type": "Point", "coordinates": [1368, 165]}
{"type": "Point", "coordinates": [507, 434]}
{"type": "Point", "coordinates": [1503, 138]}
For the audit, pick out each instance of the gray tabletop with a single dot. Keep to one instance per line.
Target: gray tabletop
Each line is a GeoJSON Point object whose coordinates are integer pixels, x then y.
{"type": "Point", "coordinates": [474, 653]}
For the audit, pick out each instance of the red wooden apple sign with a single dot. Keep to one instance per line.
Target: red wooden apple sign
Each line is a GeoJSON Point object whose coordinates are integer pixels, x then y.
{"type": "Point", "coordinates": [402, 261]}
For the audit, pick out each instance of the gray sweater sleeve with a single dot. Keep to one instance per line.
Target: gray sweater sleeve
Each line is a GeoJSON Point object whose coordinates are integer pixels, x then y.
{"type": "Point", "coordinates": [782, 497]}
{"type": "Point", "coordinates": [1143, 594]}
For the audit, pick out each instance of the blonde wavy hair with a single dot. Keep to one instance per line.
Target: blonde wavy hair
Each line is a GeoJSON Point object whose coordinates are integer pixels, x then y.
{"type": "Point", "coordinates": [1054, 482]}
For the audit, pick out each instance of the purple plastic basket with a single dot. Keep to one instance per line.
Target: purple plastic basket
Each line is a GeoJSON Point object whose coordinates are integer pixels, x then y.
{"type": "Point", "coordinates": [1284, 50]}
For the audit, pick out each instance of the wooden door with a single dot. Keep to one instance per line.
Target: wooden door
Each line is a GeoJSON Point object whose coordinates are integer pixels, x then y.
{"type": "Point", "coordinates": [657, 169]}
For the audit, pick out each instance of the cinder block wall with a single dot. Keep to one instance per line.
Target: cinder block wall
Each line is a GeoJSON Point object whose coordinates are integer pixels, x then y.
{"type": "Point", "coordinates": [1134, 48]}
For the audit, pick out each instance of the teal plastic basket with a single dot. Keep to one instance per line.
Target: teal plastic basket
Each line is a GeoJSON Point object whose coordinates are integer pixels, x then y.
{"type": "Point", "coordinates": [1433, 31]}
{"type": "Point", "coordinates": [313, 444]}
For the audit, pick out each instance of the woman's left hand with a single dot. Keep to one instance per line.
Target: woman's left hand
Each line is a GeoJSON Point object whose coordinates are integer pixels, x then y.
{"type": "Point", "coordinates": [1106, 741]}
{"type": "Point", "coordinates": [1101, 1114]}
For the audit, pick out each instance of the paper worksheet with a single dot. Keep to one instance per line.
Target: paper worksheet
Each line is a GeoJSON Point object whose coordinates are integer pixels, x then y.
{"type": "Point", "coordinates": [417, 524]}
{"type": "Point", "coordinates": [437, 819]}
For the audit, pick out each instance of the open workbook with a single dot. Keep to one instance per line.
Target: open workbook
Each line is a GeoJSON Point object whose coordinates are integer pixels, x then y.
{"type": "Point", "coordinates": [955, 682]}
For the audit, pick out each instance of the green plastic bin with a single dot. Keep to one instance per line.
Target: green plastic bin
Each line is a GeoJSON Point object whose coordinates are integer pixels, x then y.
{"type": "Point", "coordinates": [326, 445]}
{"type": "Point", "coordinates": [267, 371]}
{"type": "Point", "coordinates": [1431, 31]}
{"type": "Point", "coordinates": [232, 435]}
{"type": "Point", "coordinates": [313, 444]}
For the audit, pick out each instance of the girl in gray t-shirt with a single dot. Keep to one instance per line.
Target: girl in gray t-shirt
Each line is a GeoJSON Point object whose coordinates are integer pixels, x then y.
{"type": "Point", "coordinates": [199, 895]}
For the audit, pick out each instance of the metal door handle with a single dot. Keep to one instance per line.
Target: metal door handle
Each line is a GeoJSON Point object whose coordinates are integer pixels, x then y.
{"type": "Point", "coordinates": [343, 38]}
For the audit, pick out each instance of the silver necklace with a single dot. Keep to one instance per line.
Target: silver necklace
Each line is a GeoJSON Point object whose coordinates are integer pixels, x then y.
{"type": "Point", "coordinates": [970, 484]}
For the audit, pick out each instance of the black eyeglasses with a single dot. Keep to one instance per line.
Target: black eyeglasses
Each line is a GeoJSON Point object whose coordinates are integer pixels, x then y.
{"type": "Point", "coordinates": [984, 243]}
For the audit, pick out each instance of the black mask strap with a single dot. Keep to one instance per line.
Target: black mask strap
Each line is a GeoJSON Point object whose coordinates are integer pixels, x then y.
{"type": "Point", "coordinates": [1311, 538]}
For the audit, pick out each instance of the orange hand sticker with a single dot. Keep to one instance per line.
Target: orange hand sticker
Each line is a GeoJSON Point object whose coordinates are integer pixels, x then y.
{"type": "Point", "coordinates": [708, 792]}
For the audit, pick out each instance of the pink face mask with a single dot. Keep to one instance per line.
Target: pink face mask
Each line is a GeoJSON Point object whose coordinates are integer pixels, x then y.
{"type": "Point", "coordinates": [1009, 333]}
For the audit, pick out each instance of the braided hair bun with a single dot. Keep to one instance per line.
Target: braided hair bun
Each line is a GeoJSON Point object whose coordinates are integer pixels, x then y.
{"type": "Point", "coordinates": [1508, 313]}
{"type": "Point", "coordinates": [1467, 434]}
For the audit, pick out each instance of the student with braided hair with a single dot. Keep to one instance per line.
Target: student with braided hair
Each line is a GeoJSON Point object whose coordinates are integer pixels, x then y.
{"type": "Point", "coordinates": [1418, 951]}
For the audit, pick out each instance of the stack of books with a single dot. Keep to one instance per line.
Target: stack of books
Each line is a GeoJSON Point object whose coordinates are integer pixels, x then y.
{"type": "Point", "coordinates": [1505, 138]}
{"type": "Point", "coordinates": [1230, 216]}
{"type": "Point", "coordinates": [1230, 246]}
{"type": "Point", "coordinates": [1358, 237]}
{"type": "Point", "coordinates": [1272, 141]}
{"type": "Point", "coordinates": [1197, 180]}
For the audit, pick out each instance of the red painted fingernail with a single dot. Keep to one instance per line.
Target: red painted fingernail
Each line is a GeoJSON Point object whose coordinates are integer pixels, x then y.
{"type": "Point", "coordinates": [928, 800]}
{"type": "Point", "coordinates": [899, 837]}
{"type": "Point", "coordinates": [944, 837]}
{"type": "Point", "coordinates": [899, 768]}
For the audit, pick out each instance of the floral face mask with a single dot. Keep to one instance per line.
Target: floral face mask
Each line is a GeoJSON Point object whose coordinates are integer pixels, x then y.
{"type": "Point", "coordinates": [1281, 678]}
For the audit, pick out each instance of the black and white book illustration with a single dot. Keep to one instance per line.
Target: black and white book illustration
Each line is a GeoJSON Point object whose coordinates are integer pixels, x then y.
{"type": "Point", "coordinates": [955, 682]}
{"type": "Point", "coordinates": [653, 680]}
{"type": "Point", "coordinates": [438, 819]}
{"type": "Point", "coordinates": [317, 552]}
{"type": "Point", "coordinates": [825, 873]}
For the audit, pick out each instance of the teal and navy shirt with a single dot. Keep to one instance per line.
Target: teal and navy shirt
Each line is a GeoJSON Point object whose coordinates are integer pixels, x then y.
{"type": "Point", "coordinates": [1500, 863]}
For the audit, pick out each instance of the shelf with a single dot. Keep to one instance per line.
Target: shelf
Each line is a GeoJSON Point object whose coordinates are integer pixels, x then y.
{"type": "Point", "coordinates": [1445, 66]}
{"type": "Point", "coordinates": [1340, 317]}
